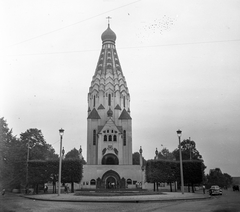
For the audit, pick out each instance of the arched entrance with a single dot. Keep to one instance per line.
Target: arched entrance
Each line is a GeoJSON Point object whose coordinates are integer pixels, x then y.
{"type": "Point", "coordinates": [111, 179]}
{"type": "Point", "coordinates": [111, 183]}
{"type": "Point", "coordinates": [110, 159]}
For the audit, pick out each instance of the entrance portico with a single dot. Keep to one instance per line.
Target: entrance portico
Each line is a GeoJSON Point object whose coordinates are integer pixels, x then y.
{"type": "Point", "coordinates": [111, 179]}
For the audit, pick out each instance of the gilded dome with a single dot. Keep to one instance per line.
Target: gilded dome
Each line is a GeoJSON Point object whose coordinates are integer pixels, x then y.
{"type": "Point", "coordinates": [108, 35]}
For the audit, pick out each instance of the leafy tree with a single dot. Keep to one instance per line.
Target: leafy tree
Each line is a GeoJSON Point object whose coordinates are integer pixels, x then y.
{"type": "Point", "coordinates": [165, 154]}
{"type": "Point", "coordinates": [72, 172]}
{"type": "Point", "coordinates": [193, 172]}
{"type": "Point", "coordinates": [161, 171]}
{"type": "Point", "coordinates": [14, 151]}
{"type": "Point", "coordinates": [38, 148]}
{"type": "Point", "coordinates": [228, 180]}
{"type": "Point", "coordinates": [189, 151]}
{"type": "Point", "coordinates": [136, 159]}
{"type": "Point", "coordinates": [216, 177]}
{"type": "Point", "coordinates": [169, 171]}
{"type": "Point", "coordinates": [12, 167]}
{"type": "Point", "coordinates": [74, 154]}
{"type": "Point", "coordinates": [41, 172]}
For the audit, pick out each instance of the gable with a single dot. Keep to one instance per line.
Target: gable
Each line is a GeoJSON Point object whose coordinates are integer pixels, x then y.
{"type": "Point", "coordinates": [101, 107]}
{"type": "Point", "coordinates": [94, 114]}
{"type": "Point", "coordinates": [124, 115]}
{"type": "Point", "coordinates": [110, 124]}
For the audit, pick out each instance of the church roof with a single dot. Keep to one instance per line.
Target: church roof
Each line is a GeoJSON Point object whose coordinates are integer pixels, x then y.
{"type": "Point", "coordinates": [94, 114]}
{"type": "Point", "coordinates": [117, 107]}
{"type": "Point", "coordinates": [108, 35]}
{"type": "Point", "coordinates": [108, 75]}
{"type": "Point", "coordinates": [101, 107]}
{"type": "Point", "coordinates": [124, 115]}
{"type": "Point", "coordinates": [100, 128]}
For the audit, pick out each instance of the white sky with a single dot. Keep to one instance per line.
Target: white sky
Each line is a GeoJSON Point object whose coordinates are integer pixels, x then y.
{"type": "Point", "coordinates": [180, 59]}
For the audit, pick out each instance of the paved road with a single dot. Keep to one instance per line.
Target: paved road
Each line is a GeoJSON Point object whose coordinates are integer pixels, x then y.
{"type": "Point", "coordinates": [228, 202]}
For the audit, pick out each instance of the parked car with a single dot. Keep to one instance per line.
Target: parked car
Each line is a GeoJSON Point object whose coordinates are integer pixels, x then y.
{"type": "Point", "coordinates": [215, 190]}
{"type": "Point", "coordinates": [235, 188]}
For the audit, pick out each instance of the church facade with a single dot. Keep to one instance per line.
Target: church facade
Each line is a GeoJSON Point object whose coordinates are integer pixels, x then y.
{"type": "Point", "coordinates": [109, 125]}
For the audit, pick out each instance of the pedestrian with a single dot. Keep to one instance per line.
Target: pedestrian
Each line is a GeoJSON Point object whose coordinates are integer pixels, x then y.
{"type": "Point", "coordinates": [3, 192]}
{"type": "Point", "coordinates": [66, 189]}
{"type": "Point", "coordinates": [203, 188]}
{"type": "Point", "coordinates": [45, 188]}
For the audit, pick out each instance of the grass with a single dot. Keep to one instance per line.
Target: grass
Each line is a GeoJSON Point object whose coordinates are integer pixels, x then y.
{"type": "Point", "coordinates": [115, 192]}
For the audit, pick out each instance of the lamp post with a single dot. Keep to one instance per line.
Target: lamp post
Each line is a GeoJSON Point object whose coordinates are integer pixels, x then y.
{"type": "Point", "coordinates": [27, 167]}
{"type": "Point", "coordinates": [61, 131]}
{"type": "Point", "coordinates": [190, 148]}
{"type": "Point", "coordinates": [179, 132]}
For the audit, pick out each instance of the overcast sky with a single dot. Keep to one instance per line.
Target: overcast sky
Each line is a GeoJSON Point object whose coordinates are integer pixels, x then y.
{"type": "Point", "coordinates": [181, 60]}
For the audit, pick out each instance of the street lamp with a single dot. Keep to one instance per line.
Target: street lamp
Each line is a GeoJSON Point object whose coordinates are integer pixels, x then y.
{"type": "Point", "coordinates": [179, 133]}
{"type": "Point", "coordinates": [190, 148]}
{"type": "Point", "coordinates": [27, 167]}
{"type": "Point", "coordinates": [61, 131]}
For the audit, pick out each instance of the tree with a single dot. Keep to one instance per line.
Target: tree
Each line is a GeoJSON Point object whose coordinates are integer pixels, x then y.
{"type": "Point", "coordinates": [14, 153]}
{"type": "Point", "coordinates": [165, 154]}
{"type": "Point", "coordinates": [41, 172]}
{"type": "Point", "coordinates": [161, 171]}
{"type": "Point", "coordinates": [38, 148]}
{"type": "Point", "coordinates": [73, 154]}
{"type": "Point", "coordinates": [216, 177]}
{"type": "Point", "coordinates": [189, 151]}
{"type": "Point", "coordinates": [228, 180]}
{"type": "Point", "coordinates": [168, 171]}
{"type": "Point", "coordinates": [136, 159]}
{"type": "Point", "coordinates": [72, 172]}
{"type": "Point", "coordinates": [193, 171]}
{"type": "Point", "coordinates": [12, 166]}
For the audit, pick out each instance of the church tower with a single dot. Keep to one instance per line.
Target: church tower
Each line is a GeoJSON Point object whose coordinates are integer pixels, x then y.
{"type": "Point", "coordinates": [109, 123]}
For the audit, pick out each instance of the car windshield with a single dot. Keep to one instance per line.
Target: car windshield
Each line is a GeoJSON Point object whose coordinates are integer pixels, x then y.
{"type": "Point", "coordinates": [215, 187]}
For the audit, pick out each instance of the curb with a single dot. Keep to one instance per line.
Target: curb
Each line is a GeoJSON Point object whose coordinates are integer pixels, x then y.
{"type": "Point", "coordinates": [118, 200]}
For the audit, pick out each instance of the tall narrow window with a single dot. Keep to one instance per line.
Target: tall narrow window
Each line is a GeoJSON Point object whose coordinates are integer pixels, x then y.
{"type": "Point", "coordinates": [109, 99]}
{"type": "Point", "coordinates": [94, 101]}
{"type": "Point", "coordinates": [124, 138]}
{"type": "Point", "coordinates": [124, 101]}
{"type": "Point", "coordinates": [105, 138]}
{"type": "Point", "coordinates": [94, 137]}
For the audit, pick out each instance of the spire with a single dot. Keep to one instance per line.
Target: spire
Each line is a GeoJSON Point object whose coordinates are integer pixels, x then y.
{"type": "Point", "coordinates": [108, 21]}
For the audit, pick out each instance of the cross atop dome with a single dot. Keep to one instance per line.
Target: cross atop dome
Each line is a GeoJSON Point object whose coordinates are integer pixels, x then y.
{"type": "Point", "coordinates": [108, 20]}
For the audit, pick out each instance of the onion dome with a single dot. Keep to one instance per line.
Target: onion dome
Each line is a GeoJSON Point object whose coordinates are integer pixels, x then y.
{"type": "Point", "coordinates": [108, 35]}
{"type": "Point", "coordinates": [110, 113]}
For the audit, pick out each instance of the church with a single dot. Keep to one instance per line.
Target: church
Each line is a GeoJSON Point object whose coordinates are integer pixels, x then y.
{"type": "Point", "coordinates": [109, 125]}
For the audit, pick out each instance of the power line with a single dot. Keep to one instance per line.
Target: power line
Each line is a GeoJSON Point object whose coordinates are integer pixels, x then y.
{"type": "Point", "coordinates": [50, 32]}
{"type": "Point", "coordinates": [131, 47]}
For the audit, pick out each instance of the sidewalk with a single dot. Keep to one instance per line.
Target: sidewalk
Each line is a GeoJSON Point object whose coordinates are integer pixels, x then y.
{"type": "Point", "coordinates": [165, 196]}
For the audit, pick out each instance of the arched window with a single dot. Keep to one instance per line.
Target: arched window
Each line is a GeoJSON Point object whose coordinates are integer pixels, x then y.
{"type": "Point", "coordinates": [124, 138]}
{"type": "Point", "coordinates": [109, 138]}
{"type": "Point", "coordinates": [94, 137]}
{"type": "Point", "coordinates": [93, 182]}
{"type": "Point", "coordinates": [129, 181]}
{"type": "Point", "coordinates": [109, 99]}
{"type": "Point", "coordinates": [105, 138]}
{"type": "Point", "coordinates": [115, 138]}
